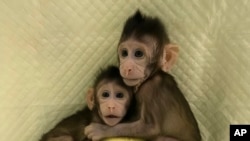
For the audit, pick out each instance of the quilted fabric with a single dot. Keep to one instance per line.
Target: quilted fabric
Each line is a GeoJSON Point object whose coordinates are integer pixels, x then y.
{"type": "Point", "coordinates": [51, 50]}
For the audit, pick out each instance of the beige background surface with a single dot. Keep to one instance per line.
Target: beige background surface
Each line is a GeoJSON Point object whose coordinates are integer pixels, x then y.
{"type": "Point", "coordinates": [51, 49]}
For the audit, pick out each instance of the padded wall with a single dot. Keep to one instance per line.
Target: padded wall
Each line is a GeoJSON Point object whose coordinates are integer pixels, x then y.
{"type": "Point", "coordinates": [51, 49]}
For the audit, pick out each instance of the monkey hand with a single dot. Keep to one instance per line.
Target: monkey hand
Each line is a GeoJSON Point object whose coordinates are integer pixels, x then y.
{"type": "Point", "coordinates": [96, 131]}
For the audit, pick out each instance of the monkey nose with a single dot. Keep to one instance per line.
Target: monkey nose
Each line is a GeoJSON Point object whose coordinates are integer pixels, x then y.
{"type": "Point", "coordinates": [128, 71]}
{"type": "Point", "coordinates": [111, 108]}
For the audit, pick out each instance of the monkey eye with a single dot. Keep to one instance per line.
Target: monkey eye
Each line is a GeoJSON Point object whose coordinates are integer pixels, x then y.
{"type": "Point", "coordinates": [119, 95]}
{"type": "Point", "coordinates": [139, 54]}
{"type": "Point", "coordinates": [105, 94]}
{"type": "Point", "coordinates": [124, 53]}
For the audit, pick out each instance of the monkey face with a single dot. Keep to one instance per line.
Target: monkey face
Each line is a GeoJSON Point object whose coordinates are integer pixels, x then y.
{"type": "Point", "coordinates": [113, 102]}
{"type": "Point", "coordinates": [134, 57]}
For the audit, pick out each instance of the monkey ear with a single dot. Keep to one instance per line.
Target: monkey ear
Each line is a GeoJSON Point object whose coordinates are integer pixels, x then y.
{"type": "Point", "coordinates": [90, 98]}
{"type": "Point", "coordinates": [170, 55]}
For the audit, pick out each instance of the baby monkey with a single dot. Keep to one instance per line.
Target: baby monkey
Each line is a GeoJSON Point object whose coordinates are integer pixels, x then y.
{"type": "Point", "coordinates": [109, 102]}
{"type": "Point", "coordinates": [145, 56]}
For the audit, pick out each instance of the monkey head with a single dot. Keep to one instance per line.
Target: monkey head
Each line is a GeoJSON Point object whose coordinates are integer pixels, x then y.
{"type": "Point", "coordinates": [113, 102]}
{"type": "Point", "coordinates": [144, 48]}
{"type": "Point", "coordinates": [110, 98]}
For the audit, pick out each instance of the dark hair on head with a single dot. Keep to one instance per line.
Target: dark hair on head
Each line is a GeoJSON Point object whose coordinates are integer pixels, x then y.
{"type": "Point", "coordinates": [139, 25]}
{"type": "Point", "coordinates": [110, 74]}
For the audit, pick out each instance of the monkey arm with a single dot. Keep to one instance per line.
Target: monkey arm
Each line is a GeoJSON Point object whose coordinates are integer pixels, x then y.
{"type": "Point", "coordinates": [70, 128]}
{"type": "Point", "coordinates": [139, 129]}
{"type": "Point", "coordinates": [55, 133]}
{"type": "Point", "coordinates": [145, 127]}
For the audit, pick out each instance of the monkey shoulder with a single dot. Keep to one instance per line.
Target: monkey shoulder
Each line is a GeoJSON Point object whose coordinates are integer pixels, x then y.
{"type": "Point", "coordinates": [81, 116]}
{"type": "Point", "coordinates": [162, 85]}
{"type": "Point", "coordinates": [70, 126]}
{"type": "Point", "coordinates": [162, 78]}
{"type": "Point", "coordinates": [155, 86]}
{"type": "Point", "coordinates": [75, 122]}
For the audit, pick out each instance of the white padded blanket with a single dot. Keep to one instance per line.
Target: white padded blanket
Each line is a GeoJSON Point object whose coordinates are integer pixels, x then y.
{"type": "Point", "coordinates": [51, 49]}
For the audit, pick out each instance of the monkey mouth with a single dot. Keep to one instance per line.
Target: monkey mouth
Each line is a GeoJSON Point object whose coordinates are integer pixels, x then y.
{"type": "Point", "coordinates": [112, 116]}
{"type": "Point", "coordinates": [131, 82]}
{"type": "Point", "coordinates": [130, 79]}
{"type": "Point", "coordinates": [112, 120]}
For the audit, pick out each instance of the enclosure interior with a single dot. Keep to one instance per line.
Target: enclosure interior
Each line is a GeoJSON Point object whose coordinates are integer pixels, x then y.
{"type": "Point", "coordinates": [50, 52]}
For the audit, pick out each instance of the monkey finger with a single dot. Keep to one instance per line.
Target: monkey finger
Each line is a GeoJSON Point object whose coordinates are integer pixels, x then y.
{"type": "Point", "coordinates": [87, 130]}
{"type": "Point", "coordinates": [90, 136]}
{"type": "Point", "coordinates": [95, 139]}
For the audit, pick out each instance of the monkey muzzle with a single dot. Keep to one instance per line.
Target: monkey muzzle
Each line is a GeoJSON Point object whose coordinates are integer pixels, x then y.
{"type": "Point", "coordinates": [112, 116]}
{"type": "Point", "coordinates": [112, 120]}
{"type": "Point", "coordinates": [131, 82]}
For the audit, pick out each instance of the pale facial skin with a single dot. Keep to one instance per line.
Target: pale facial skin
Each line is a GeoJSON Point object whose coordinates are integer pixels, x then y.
{"type": "Point", "coordinates": [134, 57]}
{"type": "Point", "coordinates": [113, 101]}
